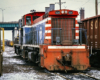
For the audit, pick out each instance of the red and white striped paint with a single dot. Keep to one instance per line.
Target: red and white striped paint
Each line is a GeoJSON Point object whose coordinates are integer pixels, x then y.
{"type": "Point", "coordinates": [48, 30]}
{"type": "Point", "coordinates": [76, 30]}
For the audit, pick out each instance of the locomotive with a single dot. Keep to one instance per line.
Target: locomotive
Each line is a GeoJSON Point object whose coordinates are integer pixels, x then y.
{"type": "Point", "coordinates": [52, 39]}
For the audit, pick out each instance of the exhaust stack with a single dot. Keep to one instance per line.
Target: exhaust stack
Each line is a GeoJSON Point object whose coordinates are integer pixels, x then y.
{"type": "Point", "coordinates": [52, 7]}
{"type": "Point", "coordinates": [81, 14]}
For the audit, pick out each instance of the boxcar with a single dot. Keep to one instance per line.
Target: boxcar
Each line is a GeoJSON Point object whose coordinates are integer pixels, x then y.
{"type": "Point", "coordinates": [92, 25]}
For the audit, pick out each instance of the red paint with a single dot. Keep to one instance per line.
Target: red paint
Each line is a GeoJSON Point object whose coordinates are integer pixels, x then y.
{"type": "Point", "coordinates": [79, 58]}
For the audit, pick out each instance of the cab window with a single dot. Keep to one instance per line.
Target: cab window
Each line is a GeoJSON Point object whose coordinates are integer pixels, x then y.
{"type": "Point", "coordinates": [28, 20]}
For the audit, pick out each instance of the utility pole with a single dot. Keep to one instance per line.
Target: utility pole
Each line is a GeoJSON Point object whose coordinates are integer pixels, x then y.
{"type": "Point", "coordinates": [60, 3]}
{"type": "Point", "coordinates": [96, 7]}
{"type": "Point", "coordinates": [2, 14]}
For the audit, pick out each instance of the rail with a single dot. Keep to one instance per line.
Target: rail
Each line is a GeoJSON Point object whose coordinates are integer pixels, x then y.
{"type": "Point", "coordinates": [83, 74]}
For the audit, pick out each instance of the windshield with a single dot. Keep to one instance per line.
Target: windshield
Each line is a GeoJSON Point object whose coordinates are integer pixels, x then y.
{"type": "Point", "coordinates": [28, 20]}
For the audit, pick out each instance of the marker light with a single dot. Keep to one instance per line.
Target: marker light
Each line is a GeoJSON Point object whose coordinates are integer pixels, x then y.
{"type": "Point", "coordinates": [65, 12]}
{"type": "Point", "coordinates": [62, 12]}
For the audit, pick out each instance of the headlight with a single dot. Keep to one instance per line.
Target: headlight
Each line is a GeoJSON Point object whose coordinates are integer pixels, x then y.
{"type": "Point", "coordinates": [62, 12]}
{"type": "Point", "coordinates": [65, 12]}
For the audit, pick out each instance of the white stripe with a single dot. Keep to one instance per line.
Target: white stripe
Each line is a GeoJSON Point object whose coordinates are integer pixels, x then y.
{"type": "Point", "coordinates": [35, 25]}
{"type": "Point", "coordinates": [49, 18]}
{"type": "Point", "coordinates": [48, 25]}
{"type": "Point", "coordinates": [66, 47]}
{"type": "Point", "coordinates": [26, 26]}
{"type": "Point", "coordinates": [48, 37]}
{"type": "Point", "coordinates": [31, 45]}
{"type": "Point", "coordinates": [76, 31]}
{"type": "Point", "coordinates": [76, 37]}
{"type": "Point", "coordinates": [47, 31]}
{"type": "Point", "coordinates": [77, 25]}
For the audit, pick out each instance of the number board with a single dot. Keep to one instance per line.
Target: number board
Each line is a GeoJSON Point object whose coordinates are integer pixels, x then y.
{"type": "Point", "coordinates": [70, 12]}
{"type": "Point", "coordinates": [57, 12]}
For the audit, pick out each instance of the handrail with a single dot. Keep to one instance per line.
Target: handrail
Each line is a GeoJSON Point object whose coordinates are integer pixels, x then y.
{"type": "Point", "coordinates": [80, 34]}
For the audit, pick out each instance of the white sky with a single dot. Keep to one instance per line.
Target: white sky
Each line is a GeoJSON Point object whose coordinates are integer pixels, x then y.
{"type": "Point", "coordinates": [14, 9]}
{"type": "Point", "coordinates": [7, 35]}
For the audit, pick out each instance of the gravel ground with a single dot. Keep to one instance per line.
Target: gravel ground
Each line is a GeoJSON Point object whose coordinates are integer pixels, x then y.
{"type": "Point", "coordinates": [15, 68]}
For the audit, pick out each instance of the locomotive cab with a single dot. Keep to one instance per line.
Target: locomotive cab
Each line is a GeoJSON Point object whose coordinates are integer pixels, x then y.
{"type": "Point", "coordinates": [28, 19]}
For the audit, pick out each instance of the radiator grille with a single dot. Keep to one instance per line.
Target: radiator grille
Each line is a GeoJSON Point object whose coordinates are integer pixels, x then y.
{"type": "Point", "coordinates": [66, 24]}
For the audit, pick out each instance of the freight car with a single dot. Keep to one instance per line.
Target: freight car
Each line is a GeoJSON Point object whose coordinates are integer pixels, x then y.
{"type": "Point", "coordinates": [92, 25]}
{"type": "Point", "coordinates": [9, 43]}
{"type": "Point", "coordinates": [51, 39]}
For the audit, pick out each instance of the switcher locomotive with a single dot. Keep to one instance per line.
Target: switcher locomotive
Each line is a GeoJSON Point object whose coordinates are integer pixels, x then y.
{"type": "Point", "coordinates": [52, 39]}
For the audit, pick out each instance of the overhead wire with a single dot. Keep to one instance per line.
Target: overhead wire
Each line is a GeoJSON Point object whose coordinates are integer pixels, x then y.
{"type": "Point", "coordinates": [83, 4]}
{"type": "Point", "coordinates": [86, 2]}
{"type": "Point", "coordinates": [79, 2]}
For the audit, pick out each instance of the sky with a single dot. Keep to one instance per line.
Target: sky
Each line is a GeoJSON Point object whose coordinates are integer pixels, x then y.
{"type": "Point", "coordinates": [15, 9]}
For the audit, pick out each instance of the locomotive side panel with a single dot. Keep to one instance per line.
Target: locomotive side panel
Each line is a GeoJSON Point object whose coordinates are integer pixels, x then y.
{"type": "Point", "coordinates": [26, 33]}
{"type": "Point", "coordinates": [39, 31]}
{"type": "Point", "coordinates": [42, 32]}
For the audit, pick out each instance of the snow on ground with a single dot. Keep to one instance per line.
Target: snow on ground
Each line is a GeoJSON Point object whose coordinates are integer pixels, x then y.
{"type": "Point", "coordinates": [9, 52]}
{"type": "Point", "coordinates": [28, 76]}
{"type": "Point", "coordinates": [14, 61]}
{"type": "Point", "coordinates": [15, 68]}
{"type": "Point", "coordinates": [95, 73]}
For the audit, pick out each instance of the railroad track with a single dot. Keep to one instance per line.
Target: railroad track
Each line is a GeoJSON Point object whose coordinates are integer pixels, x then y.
{"type": "Point", "coordinates": [61, 76]}
{"type": "Point", "coordinates": [57, 74]}
{"type": "Point", "coordinates": [94, 68]}
{"type": "Point", "coordinates": [74, 74]}
{"type": "Point", "coordinates": [83, 74]}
